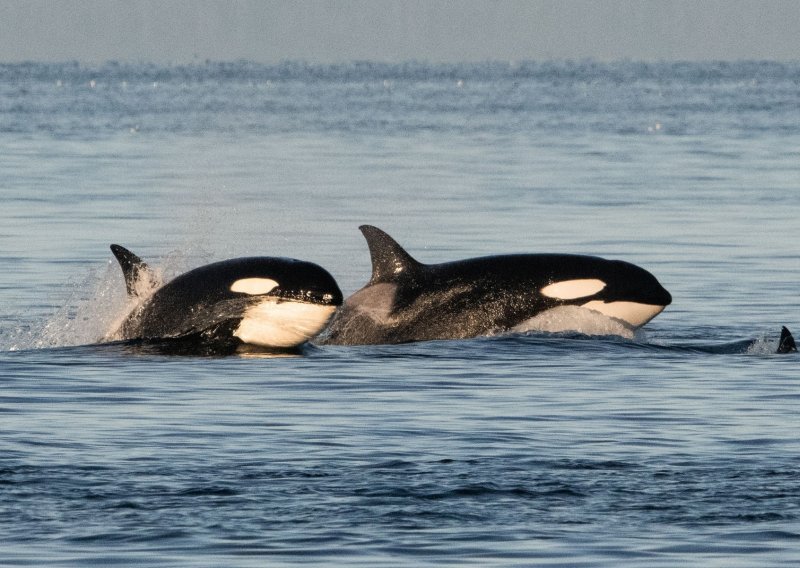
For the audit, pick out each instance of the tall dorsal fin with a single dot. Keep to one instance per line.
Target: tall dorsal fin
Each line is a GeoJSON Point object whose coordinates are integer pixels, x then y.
{"type": "Point", "coordinates": [389, 259]}
{"type": "Point", "coordinates": [134, 269]}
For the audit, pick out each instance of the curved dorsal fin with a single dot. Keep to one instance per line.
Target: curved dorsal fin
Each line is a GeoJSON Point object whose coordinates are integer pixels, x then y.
{"type": "Point", "coordinates": [134, 269]}
{"type": "Point", "coordinates": [389, 259]}
{"type": "Point", "coordinates": [786, 343]}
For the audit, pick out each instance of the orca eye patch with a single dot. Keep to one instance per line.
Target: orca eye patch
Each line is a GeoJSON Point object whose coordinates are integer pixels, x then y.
{"type": "Point", "coordinates": [572, 289]}
{"type": "Point", "coordinates": [254, 286]}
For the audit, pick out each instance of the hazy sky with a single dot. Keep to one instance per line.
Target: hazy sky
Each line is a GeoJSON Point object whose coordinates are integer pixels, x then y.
{"type": "Point", "coordinates": [396, 30]}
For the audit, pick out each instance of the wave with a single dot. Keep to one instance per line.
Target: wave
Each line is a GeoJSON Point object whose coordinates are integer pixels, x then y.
{"type": "Point", "coordinates": [626, 98]}
{"type": "Point", "coordinates": [244, 70]}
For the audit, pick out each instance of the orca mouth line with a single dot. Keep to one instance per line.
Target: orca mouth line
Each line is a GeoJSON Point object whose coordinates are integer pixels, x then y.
{"type": "Point", "coordinates": [307, 297]}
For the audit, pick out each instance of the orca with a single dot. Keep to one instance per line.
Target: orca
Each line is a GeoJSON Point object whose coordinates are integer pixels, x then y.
{"type": "Point", "coordinates": [406, 300]}
{"type": "Point", "coordinates": [269, 302]}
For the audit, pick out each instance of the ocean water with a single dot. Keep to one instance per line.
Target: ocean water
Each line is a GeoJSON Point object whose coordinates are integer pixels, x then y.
{"type": "Point", "coordinates": [678, 446]}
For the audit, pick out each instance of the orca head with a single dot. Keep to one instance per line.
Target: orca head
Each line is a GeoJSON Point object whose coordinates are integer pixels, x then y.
{"type": "Point", "coordinates": [288, 301]}
{"type": "Point", "coordinates": [616, 289]}
{"type": "Point", "coordinates": [631, 294]}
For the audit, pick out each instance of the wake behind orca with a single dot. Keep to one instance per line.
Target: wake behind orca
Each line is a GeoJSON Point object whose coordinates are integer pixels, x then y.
{"type": "Point", "coordinates": [269, 302]}
{"type": "Point", "coordinates": [406, 300]}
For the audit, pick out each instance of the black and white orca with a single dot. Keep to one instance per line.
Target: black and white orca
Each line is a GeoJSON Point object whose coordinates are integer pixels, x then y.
{"type": "Point", "coordinates": [406, 300]}
{"type": "Point", "coordinates": [269, 302]}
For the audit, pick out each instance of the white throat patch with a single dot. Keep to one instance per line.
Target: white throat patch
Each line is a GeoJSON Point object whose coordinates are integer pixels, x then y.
{"type": "Point", "coordinates": [633, 313]}
{"type": "Point", "coordinates": [571, 289]}
{"type": "Point", "coordinates": [274, 323]}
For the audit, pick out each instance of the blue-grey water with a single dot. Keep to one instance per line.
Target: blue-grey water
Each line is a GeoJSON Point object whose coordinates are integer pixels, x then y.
{"type": "Point", "coordinates": [677, 447]}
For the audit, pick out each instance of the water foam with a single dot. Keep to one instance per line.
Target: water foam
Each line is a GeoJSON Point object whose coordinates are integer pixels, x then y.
{"type": "Point", "coordinates": [762, 345]}
{"type": "Point", "coordinates": [575, 319]}
{"type": "Point", "coordinates": [93, 307]}
{"type": "Point", "coordinates": [90, 305]}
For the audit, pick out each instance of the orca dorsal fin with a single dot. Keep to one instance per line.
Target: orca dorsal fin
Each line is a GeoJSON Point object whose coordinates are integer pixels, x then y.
{"type": "Point", "coordinates": [389, 259]}
{"type": "Point", "coordinates": [786, 343]}
{"type": "Point", "coordinates": [134, 270]}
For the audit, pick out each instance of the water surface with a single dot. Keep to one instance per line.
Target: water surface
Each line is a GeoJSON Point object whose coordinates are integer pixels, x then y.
{"type": "Point", "coordinates": [678, 446]}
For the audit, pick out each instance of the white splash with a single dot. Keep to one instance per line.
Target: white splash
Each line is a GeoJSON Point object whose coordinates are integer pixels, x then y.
{"type": "Point", "coordinates": [762, 346]}
{"type": "Point", "coordinates": [93, 306]}
{"type": "Point", "coordinates": [89, 309]}
{"type": "Point", "coordinates": [577, 319]}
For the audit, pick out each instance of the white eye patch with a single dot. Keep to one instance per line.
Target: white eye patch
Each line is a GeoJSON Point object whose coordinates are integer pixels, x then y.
{"type": "Point", "coordinates": [254, 286]}
{"type": "Point", "coordinates": [571, 289]}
